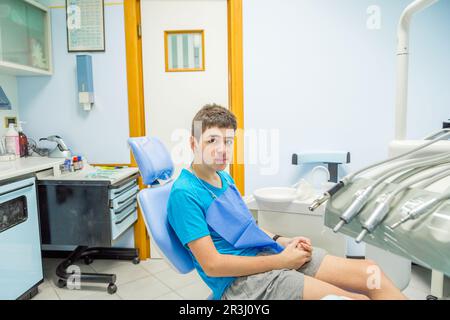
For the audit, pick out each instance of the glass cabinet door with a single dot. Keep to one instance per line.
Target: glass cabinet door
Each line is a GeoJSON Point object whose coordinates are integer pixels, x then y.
{"type": "Point", "coordinates": [24, 34]}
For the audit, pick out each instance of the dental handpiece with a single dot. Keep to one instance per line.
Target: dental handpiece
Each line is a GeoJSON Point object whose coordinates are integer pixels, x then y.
{"type": "Point", "coordinates": [420, 210]}
{"type": "Point", "coordinates": [364, 195]}
{"type": "Point", "coordinates": [324, 197]}
{"type": "Point", "coordinates": [382, 209]}
{"type": "Point", "coordinates": [328, 194]}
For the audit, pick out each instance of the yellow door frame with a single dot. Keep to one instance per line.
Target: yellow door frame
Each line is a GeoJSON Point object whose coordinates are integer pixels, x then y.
{"type": "Point", "coordinates": [236, 87]}
{"type": "Point", "coordinates": [136, 111]}
{"type": "Point", "coordinates": [136, 115]}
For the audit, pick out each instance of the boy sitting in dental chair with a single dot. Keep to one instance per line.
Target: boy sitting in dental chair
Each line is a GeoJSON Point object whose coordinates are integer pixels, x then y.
{"type": "Point", "coordinates": [236, 258]}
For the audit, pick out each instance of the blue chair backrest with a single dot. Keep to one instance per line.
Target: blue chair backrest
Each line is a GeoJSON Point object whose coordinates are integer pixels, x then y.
{"type": "Point", "coordinates": [154, 163]}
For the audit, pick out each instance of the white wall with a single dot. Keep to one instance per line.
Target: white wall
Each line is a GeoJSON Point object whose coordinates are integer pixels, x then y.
{"type": "Point", "coordinates": [172, 99]}
{"type": "Point", "coordinates": [49, 105]}
{"type": "Point", "coordinates": [9, 85]}
{"type": "Point", "coordinates": [314, 71]}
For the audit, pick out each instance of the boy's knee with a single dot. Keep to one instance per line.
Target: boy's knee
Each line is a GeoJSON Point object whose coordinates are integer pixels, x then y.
{"type": "Point", "coordinates": [361, 297]}
{"type": "Point", "coordinates": [369, 266]}
{"type": "Point", "coordinates": [370, 262]}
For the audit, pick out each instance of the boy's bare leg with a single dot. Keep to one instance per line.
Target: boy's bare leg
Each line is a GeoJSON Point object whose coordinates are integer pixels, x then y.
{"type": "Point", "coordinates": [358, 275]}
{"type": "Point", "coordinates": [315, 289]}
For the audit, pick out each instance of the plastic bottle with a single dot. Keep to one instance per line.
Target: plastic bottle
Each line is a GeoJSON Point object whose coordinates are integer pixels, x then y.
{"type": "Point", "coordinates": [80, 162]}
{"type": "Point", "coordinates": [23, 141]}
{"type": "Point", "coordinates": [75, 163]}
{"type": "Point", "coordinates": [12, 140]}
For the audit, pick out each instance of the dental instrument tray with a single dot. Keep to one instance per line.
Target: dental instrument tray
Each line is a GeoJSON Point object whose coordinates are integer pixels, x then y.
{"type": "Point", "coordinates": [424, 239]}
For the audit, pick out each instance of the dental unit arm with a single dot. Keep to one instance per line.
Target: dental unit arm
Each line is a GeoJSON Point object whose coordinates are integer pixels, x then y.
{"type": "Point", "coordinates": [411, 219]}
{"type": "Point", "coordinates": [384, 205]}
{"type": "Point", "coordinates": [363, 195]}
{"type": "Point", "coordinates": [403, 31]}
{"type": "Point", "coordinates": [349, 178]}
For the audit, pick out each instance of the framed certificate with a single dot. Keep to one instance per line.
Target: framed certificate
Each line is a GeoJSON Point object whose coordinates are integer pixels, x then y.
{"type": "Point", "coordinates": [184, 50]}
{"type": "Point", "coordinates": [85, 25]}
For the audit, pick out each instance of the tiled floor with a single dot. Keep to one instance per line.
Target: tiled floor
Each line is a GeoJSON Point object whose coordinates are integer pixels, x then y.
{"type": "Point", "coordinates": [150, 279]}
{"type": "Point", "coordinates": [154, 279]}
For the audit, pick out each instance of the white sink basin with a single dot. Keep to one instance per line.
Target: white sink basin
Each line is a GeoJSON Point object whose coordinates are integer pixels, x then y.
{"type": "Point", "coordinates": [276, 195]}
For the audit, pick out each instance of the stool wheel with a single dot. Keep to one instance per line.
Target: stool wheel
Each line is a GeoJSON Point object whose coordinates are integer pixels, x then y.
{"type": "Point", "coordinates": [61, 283]}
{"type": "Point", "coordinates": [112, 288]}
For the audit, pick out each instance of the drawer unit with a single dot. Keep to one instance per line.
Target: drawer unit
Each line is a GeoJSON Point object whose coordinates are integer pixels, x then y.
{"type": "Point", "coordinates": [88, 212]}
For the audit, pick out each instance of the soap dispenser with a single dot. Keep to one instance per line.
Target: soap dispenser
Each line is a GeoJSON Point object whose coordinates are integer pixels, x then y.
{"type": "Point", "coordinates": [23, 141]}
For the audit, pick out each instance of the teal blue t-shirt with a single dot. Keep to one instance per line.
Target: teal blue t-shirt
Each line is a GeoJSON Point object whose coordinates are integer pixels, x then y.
{"type": "Point", "coordinates": [188, 203]}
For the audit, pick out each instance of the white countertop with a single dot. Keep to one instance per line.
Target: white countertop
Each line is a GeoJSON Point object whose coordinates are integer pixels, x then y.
{"type": "Point", "coordinates": [21, 166]}
{"type": "Point", "coordinates": [94, 173]}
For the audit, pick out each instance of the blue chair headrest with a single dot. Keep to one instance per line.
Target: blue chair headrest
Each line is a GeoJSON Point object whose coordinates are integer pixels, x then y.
{"type": "Point", "coordinates": [152, 158]}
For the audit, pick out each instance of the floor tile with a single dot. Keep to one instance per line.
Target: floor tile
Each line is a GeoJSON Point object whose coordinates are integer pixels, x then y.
{"type": "Point", "coordinates": [176, 280]}
{"type": "Point", "coordinates": [155, 265]}
{"type": "Point", "coordinates": [195, 291]}
{"type": "Point", "coordinates": [148, 288]}
{"type": "Point", "coordinates": [46, 293]}
{"type": "Point", "coordinates": [170, 296]}
{"type": "Point", "coordinates": [125, 272]}
{"type": "Point", "coordinates": [85, 292]}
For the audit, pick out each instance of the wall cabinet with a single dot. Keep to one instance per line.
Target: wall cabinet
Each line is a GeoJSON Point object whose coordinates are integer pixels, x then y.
{"type": "Point", "coordinates": [25, 38]}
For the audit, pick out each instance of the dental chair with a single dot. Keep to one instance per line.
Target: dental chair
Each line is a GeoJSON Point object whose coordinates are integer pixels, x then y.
{"type": "Point", "coordinates": [156, 168]}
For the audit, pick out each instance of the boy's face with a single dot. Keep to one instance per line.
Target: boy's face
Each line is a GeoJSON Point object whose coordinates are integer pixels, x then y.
{"type": "Point", "coordinates": [214, 148]}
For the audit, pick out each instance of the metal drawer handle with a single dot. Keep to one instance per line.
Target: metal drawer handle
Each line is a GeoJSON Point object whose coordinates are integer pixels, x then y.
{"type": "Point", "coordinates": [126, 181]}
{"type": "Point", "coordinates": [121, 220]}
{"type": "Point", "coordinates": [131, 204]}
{"type": "Point", "coordinates": [16, 189]}
{"type": "Point", "coordinates": [126, 189]}
{"type": "Point", "coordinates": [123, 201]}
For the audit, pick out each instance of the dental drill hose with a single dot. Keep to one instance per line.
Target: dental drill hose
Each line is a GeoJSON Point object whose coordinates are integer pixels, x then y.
{"type": "Point", "coordinates": [439, 138]}
{"type": "Point", "coordinates": [365, 194]}
{"type": "Point", "coordinates": [430, 182]}
{"type": "Point", "coordinates": [382, 209]}
{"type": "Point", "coordinates": [328, 194]}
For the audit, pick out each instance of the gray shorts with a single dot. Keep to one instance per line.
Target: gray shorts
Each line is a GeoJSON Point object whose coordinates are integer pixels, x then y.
{"type": "Point", "coordinates": [282, 284]}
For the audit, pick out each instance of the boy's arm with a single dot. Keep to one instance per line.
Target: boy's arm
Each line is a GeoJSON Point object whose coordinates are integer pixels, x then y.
{"type": "Point", "coordinates": [216, 264]}
{"type": "Point", "coordinates": [284, 241]}
{"type": "Point", "coordinates": [220, 265]}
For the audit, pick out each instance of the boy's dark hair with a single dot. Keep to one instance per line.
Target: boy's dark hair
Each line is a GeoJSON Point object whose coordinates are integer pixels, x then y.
{"type": "Point", "coordinates": [213, 115]}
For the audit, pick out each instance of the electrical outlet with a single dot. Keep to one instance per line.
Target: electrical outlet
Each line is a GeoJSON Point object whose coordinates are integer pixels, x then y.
{"type": "Point", "coordinates": [9, 120]}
